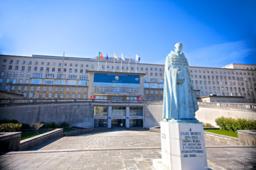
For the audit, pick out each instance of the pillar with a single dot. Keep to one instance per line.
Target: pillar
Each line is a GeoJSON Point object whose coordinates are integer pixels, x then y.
{"type": "Point", "coordinates": [127, 117]}
{"type": "Point", "coordinates": [109, 118]}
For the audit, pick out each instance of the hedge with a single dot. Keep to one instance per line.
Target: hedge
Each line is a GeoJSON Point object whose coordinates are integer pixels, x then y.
{"type": "Point", "coordinates": [232, 124]}
{"type": "Point", "coordinates": [10, 127]}
{"type": "Point", "coordinates": [56, 125]}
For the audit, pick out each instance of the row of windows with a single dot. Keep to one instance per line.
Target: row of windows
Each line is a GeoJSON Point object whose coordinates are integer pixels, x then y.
{"type": "Point", "coordinates": [222, 77]}
{"type": "Point", "coordinates": [227, 83]}
{"type": "Point", "coordinates": [45, 88]}
{"type": "Point", "coordinates": [43, 63]}
{"type": "Point", "coordinates": [55, 95]}
{"type": "Point", "coordinates": [70, 64]}
{"type": "Point", "coordinates": [47, 69]}
{"type": "Point", "coordinates": [230, 72]}
{"type": "Point", "coordinates": [71, 70]}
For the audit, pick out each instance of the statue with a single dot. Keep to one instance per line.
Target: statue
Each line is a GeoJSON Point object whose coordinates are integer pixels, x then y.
{"type": "Point", "coordinates": [179, 100]}
{"type": "Point", "coordinates": [180, 129]}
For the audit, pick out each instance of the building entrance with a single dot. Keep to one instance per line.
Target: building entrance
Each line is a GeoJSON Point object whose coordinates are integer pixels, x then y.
{"type": "Point", "coordinates": [118, 116]}
{"type": "Point", "coordinates": [118, 123]}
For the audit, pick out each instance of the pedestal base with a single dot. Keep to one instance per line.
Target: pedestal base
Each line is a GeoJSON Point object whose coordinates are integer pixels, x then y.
{"type": "Point", "coordinates": [182, 146]}
{"type": "Point", "coordinates": [158, 164]}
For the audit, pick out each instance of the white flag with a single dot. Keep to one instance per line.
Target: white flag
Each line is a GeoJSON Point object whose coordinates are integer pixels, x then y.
{"type": "Point", "coordinates": [137, 58]}
{"type": "Point", "coordinates": [122, 57]}
{"type": "Point", "coordinates": [115, 57]}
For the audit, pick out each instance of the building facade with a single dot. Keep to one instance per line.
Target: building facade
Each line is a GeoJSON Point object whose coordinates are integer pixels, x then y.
{"type": "Point", "coordinates": [42, 76]}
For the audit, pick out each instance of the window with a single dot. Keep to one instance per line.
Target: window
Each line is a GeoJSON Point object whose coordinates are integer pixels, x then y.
{"type": "Point", "coordinates": [100, 110]}
{"type": "Point", "coordinates": [136, 111]}
{"type": "Point", "coordinates": [49, 75]}
{"type": "Point", "coordinates": [37, 75]}
{"type": "Point", "coordinates": [72, 76]}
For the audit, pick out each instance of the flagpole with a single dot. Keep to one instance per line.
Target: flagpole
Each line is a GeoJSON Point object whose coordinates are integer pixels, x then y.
{"type": "Point", "coordinates": [98, 65]}
{"type": "Point", "coordinates": [121, 65]}
{"type": "Point", "coordinates": [136, 67]}
{"type": "Point", "coordinates": [106, 63]}
{"type": "Point", "coordinates": [129, 65]}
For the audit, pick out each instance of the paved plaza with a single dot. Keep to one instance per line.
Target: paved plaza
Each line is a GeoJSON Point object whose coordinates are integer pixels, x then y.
{"type": "Point", "coordinates": [115, 150]}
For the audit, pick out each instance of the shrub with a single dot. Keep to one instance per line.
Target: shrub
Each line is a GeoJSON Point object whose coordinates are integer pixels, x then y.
{"type": "Point", "coordinates": [53, 125]}
{"type": "Point", "coordinates": [232, 124]}
{"type": "Point", "coordinates": [10, 127]}
{"type": "Point", "coordinates": [25, 126]}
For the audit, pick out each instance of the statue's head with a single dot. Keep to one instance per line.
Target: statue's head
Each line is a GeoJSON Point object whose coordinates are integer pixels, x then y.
{"type": "Point", "coordinates": [178, 47]}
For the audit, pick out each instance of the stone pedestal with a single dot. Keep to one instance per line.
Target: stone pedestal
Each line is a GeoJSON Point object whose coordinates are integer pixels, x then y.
{"type": "Point", "coordinates": [182, 146]}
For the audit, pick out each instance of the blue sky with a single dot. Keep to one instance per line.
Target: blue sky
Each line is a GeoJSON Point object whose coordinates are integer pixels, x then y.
{"type": "Point", "coordinates": [214, 32]}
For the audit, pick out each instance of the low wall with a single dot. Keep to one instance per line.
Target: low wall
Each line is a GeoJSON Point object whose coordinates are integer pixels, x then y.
{"type": "Point", "coordinates": [221, 139]}
{"type": "Point", "coordinates": [247, 137]}
{"type": "Point", "coordinates": [72, 113]}
{"type": "Point", "coordinates": [81, 114]}
{"type": "Point", "coordinates": [38, 140]}
{"type": "Point", "coordinates": [207, 113]}
{"type": "Point", "coordinates": [9, 141]}
{"type": "Point", "coordinates": [152, 114]}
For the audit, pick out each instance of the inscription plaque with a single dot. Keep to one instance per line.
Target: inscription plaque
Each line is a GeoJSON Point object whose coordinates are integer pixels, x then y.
{"type": "Point", "coordinates": [191, 144]}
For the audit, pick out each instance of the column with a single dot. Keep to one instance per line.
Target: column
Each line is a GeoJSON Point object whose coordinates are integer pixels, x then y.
{"type": "Point", "coordinates": [127, 117]}
{"type": "Point", "coordinates": [109, 118]}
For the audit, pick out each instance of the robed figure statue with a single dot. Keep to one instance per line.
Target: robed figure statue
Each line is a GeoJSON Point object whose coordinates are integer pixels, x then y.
{"type": "Point", "coordinates": [179, 100]}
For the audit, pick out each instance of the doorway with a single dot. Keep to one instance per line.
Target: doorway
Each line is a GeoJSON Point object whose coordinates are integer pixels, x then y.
{"type": "Point", "coordinates": [118, 123]}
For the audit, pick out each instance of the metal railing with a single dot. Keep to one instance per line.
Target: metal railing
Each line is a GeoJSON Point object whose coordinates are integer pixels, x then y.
{"type": "Point", "coordinates": [6, 102]}
{"type": "Point", "coordinates": [240, 106]}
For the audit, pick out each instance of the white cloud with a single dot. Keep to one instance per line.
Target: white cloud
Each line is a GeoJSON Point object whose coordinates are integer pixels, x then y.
{"type": "Point", "coordinates": [218, 55]}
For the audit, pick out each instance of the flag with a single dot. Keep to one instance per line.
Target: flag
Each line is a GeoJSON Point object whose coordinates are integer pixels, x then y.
{"type": "Point", "coordinates": [122, 57]}
{"type": "Point", "coordinates": [137, 58]}
{"type": "Point", "coordinates": [101, 56]}
{"type": "Point", "coordinates": [98, 56]}
{"type": "Point", "coordinates": [115, 57]}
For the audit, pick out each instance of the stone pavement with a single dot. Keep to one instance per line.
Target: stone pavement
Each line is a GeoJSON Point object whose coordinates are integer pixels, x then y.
{"type": "Point", "coordinates": [116, 150]}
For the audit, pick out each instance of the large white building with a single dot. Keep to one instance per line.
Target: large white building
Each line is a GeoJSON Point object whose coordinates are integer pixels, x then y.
{"type": "Point", "coordinates": [42, 76]}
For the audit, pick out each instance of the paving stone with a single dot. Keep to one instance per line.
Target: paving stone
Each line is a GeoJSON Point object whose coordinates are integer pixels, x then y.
{"type": "Point", "coordinates": [115, 150]}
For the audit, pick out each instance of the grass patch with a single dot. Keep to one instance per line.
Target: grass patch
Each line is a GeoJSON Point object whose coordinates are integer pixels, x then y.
{"type": "Point", "coordinates": [223, 132]}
